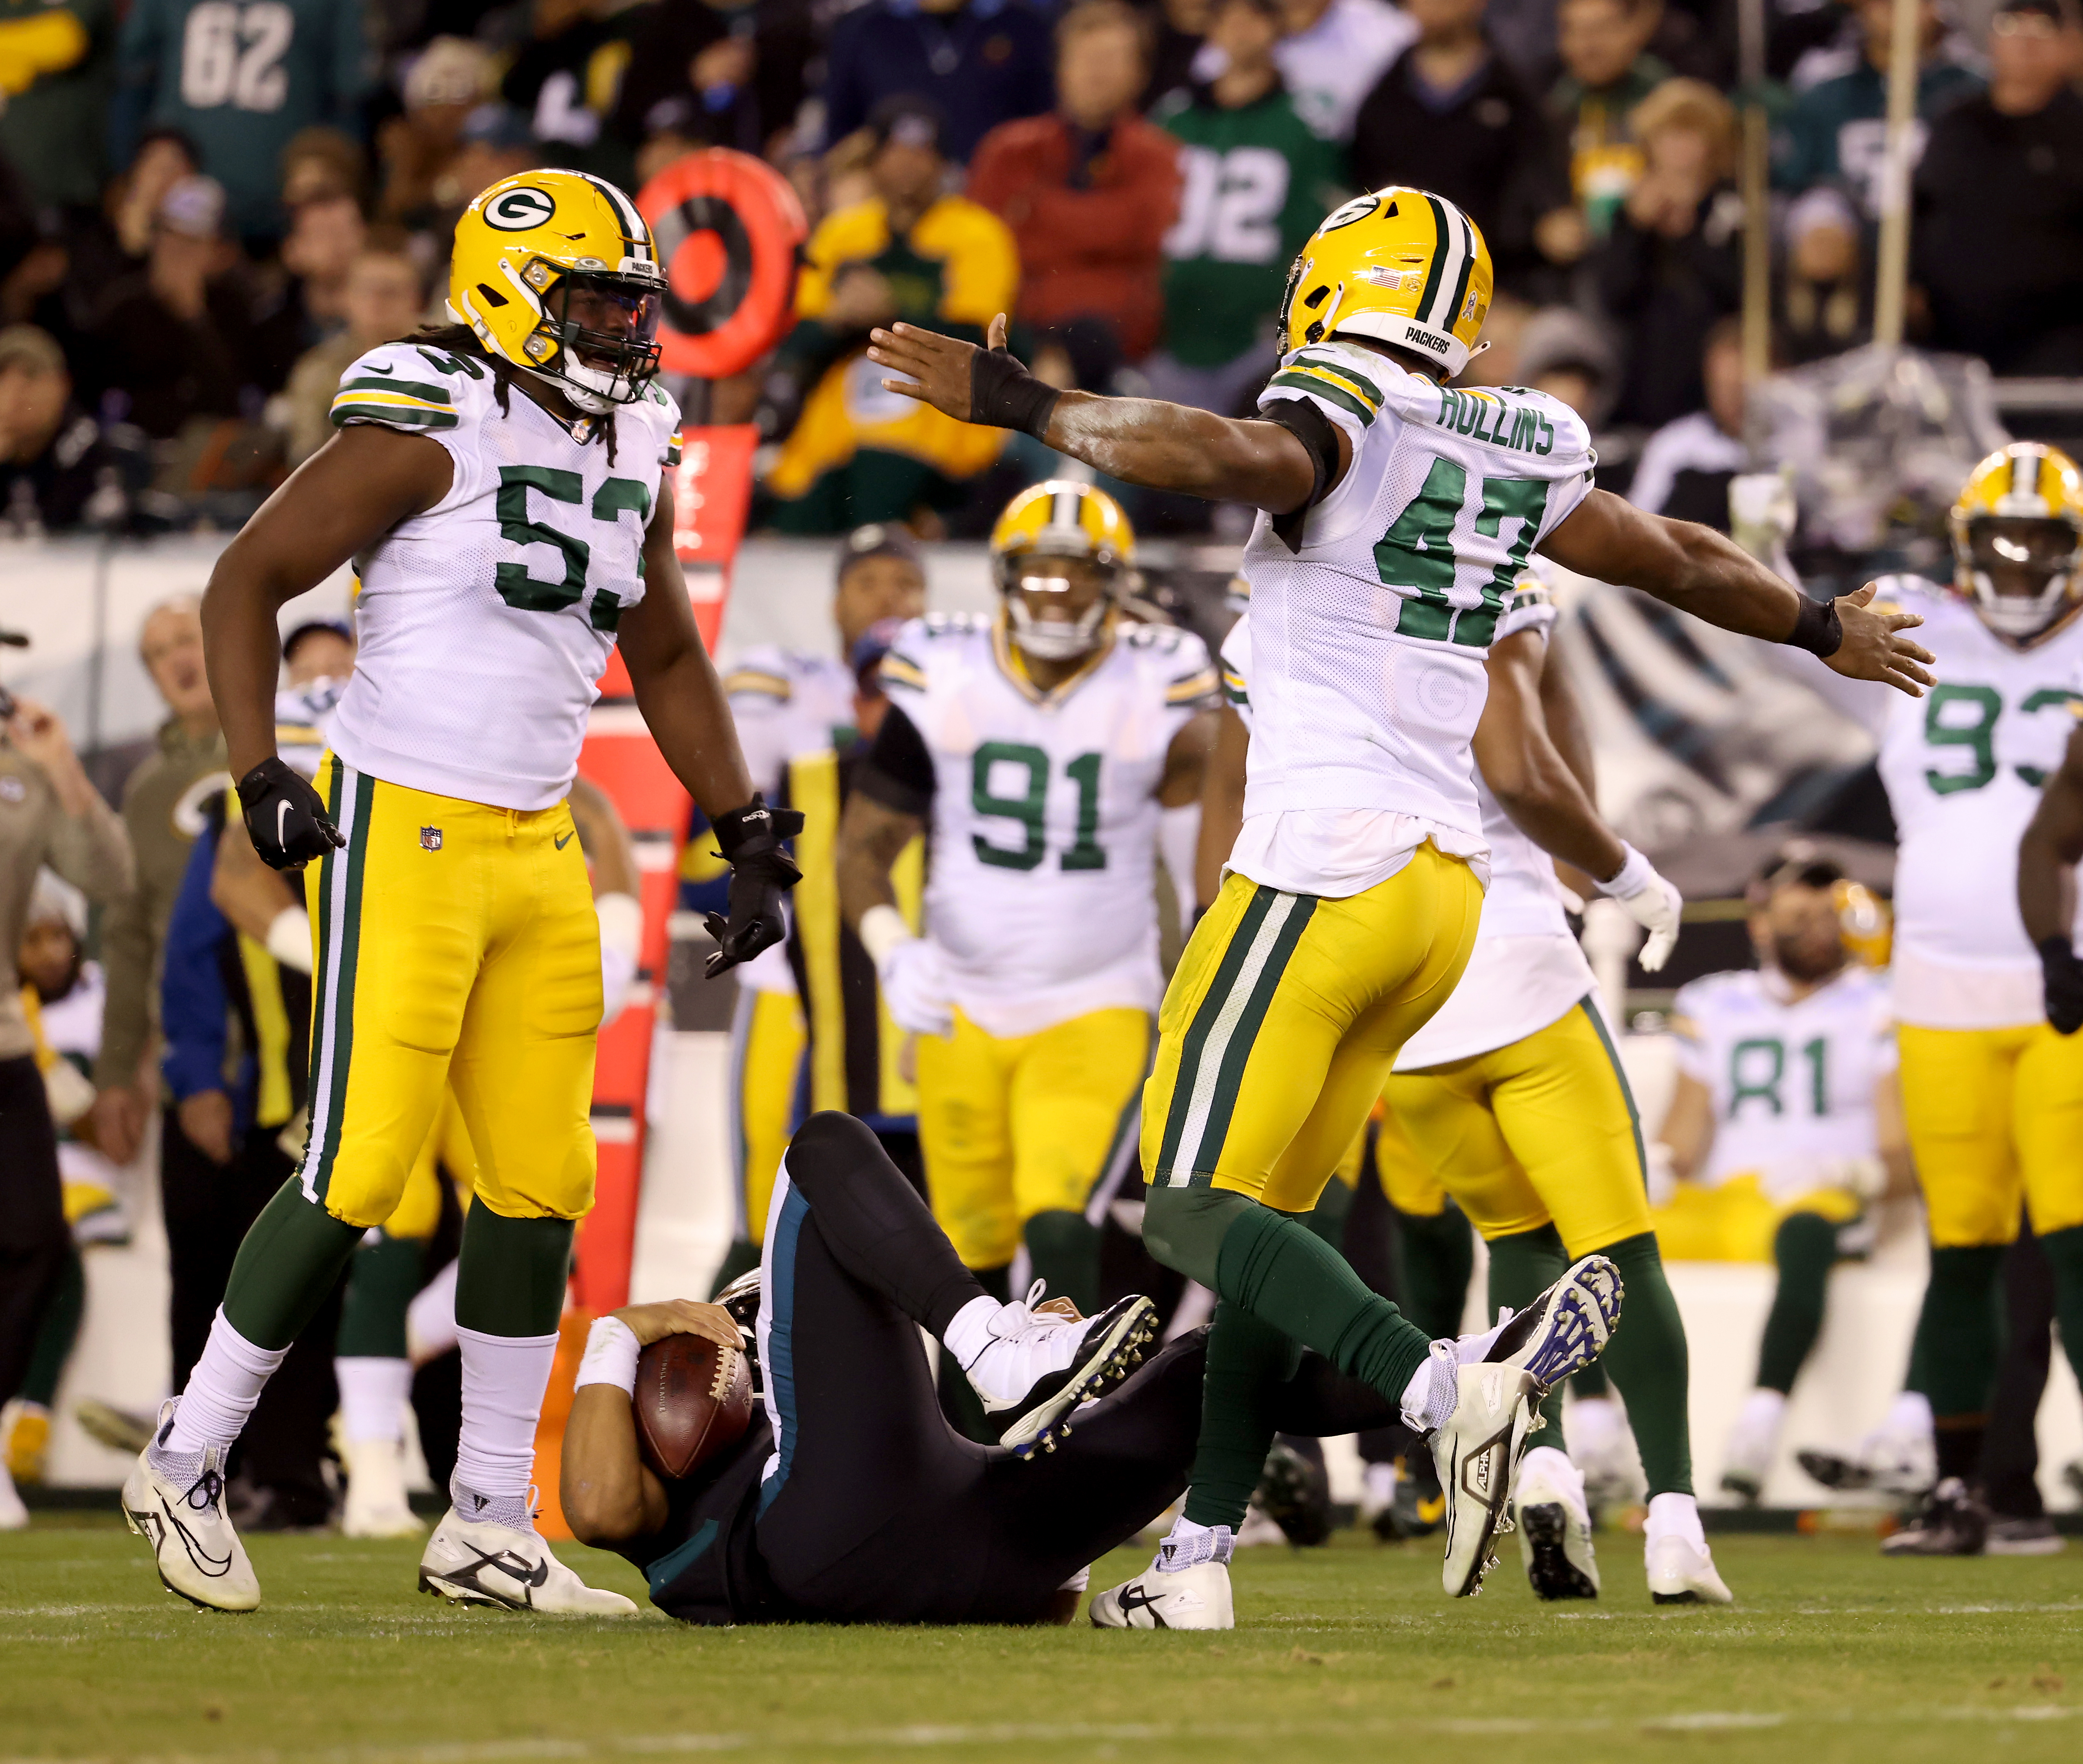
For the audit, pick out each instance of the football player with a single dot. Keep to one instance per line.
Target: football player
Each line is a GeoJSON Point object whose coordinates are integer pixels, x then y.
{"type": "Point", "coordinates": [788, 703]}
{"type": "Point", "coordinates": [501, 484]}
{"type": "Point", "coordinates": [1992, 1096]}
{"type": "Point", "coordinates": [1395, 516]}
{"type": "Point", "coordinates": [1049, 749]}
{"type": "Point", "coordinates": [1785, 1125]}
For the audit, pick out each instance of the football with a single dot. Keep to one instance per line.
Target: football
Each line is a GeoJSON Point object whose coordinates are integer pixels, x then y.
{"type": "Point", "coordinates": [693, 1402]}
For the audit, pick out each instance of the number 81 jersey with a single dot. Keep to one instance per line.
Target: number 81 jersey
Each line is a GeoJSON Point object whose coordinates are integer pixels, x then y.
{"type": "Point", "coordinates": [484, 623]}
{"type": "Point", "coordinates": [1041, 893]}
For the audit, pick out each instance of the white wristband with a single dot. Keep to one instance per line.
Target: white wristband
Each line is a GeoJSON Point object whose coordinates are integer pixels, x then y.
{"type": "Point", "coordinates": [1632, 878]}
{"type": "Point", "coordinates": [882, 929]}
{"type": "Point", "coordinates": [289, 939]}
{"type": "Point", "coordinates": [610, 1355]}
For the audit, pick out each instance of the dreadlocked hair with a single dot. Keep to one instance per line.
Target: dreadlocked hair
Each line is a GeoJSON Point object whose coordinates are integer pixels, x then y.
{"type": "Point", "coordinates": [460, 340]}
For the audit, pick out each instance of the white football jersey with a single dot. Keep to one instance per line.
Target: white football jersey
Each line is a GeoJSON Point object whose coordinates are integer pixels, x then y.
{"type": "Point", "coordinates": [1369, 640]}
{"type": "Point", "coordinates": [1792, 1083]}
{"type": "Point", "coordinates": [1043, 848]}
{"type": "Point", "coordinates": [1963, 766]}
{"type": "Point", "coordinates": [485, 623]}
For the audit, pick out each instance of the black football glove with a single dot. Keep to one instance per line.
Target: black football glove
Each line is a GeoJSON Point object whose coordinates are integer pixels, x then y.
{"type": "Point", "coordinates": [761, 873]}
{"type": "Point", "coordinates": [2064, 972]}
{"type": "Point", "coordinates": [286, 817]}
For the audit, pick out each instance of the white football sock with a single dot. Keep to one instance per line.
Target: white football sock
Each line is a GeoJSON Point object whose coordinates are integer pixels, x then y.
{"type": "Point", "coordinates": [226, 1382]}
{"type": "Point", "coordinates": [1187, 1545]}
{"type": "Point", "coordinates": [968, 1332]}
{"type": "Point", "coordinates": [1429, 1400]}
{"type": "Point", "coordinates": [1908, 1416]}
{"type": "Point", "coordinates": [1678, 1513]}
{"type": "Point", "coordinates": [373, 1395]}
{"type": "Point", "coordinates": [1762, 1412]}
{"type": "Point", "coordinates": [1593, 1423]}
{"type": "Point", "coordinates": [430, 1324]}
{"type": "Point", "coordinates": [504, 1378]}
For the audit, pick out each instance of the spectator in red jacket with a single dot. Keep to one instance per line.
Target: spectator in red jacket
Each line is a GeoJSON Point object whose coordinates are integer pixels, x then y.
{"type": "Point", "coordinates": [1090, 190]}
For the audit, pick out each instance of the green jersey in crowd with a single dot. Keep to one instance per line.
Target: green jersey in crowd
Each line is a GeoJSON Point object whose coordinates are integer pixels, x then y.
{"type": "Point", "coordinates": [1254, 183]}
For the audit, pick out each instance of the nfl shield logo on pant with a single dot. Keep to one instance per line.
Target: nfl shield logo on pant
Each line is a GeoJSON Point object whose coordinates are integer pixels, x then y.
{"type": "Point", "coordinates": [430, 839]}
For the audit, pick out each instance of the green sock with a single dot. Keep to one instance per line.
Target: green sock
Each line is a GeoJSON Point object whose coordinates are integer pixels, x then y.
{"type": "Point", "coordinates": [2064, 1254]}
{"type": "Point", "coordinates": [1524, 1265]}
{"type": "Point", "coordinates": [1960, 1330]}
{"type": "Point", "coordinates": [381, 1281]}
{"type": "Point", "coordinates": [1647, 1359]}
{"type": "Point", "coordinates": [1281, 1272]}
{"type": "Point", "coordinates": [1806, 1249]}
{"type": "Point", "coordinates": [1438, 1253]}
{"type": "Point", "coordinates": [1064, 1248]}
{"type": "Point", "coordinates": [1247, 1360]}
{"type": "Point", "coordinates": [56, 1330]}
{"type": "Point", "coordinates": [510, 1273]}
{"type": "Point", "coordinates": [1592, 1381]}
{"type": "Point", "coordinates": [741, 1258]}
{"type": "Point", "coordinates": [285, 1266]}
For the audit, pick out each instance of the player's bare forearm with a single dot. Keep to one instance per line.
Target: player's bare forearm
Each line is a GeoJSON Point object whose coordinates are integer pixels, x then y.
{"type": "Point", "coordinates": [1222, 803]}
{"type": "Point", "coordinates": [607, 1495]}
{"type": "Point", "coordinates": [1186, 761]}
{"type": "Point", "coordinates": [676, 684]}
{"type": "Point", "coordinates": [339, 503]}
{"type": "Point", "coordinates": [872, 834]}
{"type": "Point", "coordinates": [1139, 440]}
{"type": "Point", "coordinates": [605, 839]}
{"type": "Point", "coordinates": [1707, 574]}
{"type": "Point", "coordinates": [2048, 853]}
{"type": "Point", "coordinates": [1688, 1130]}
{"type": "Point", "coordinates": [1530, 779]}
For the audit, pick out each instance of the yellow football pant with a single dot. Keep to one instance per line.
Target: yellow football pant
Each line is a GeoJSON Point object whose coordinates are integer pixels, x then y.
{"type": "Point", "coordinates": [1995, 1117]}
{"type": "Point", "coordinates": [1410, 1184]}
{"type": "Point", "coordinates": [1017, 1125]}
{"type": "Point", "coordinates": [767, 1038]}
{"type": "Point", "coordinates": [455, 943]}
{"type": "Point", "coordinates": [1545, 1129]}
{"type": "Point", "coordinates": [1283, 1018]}
{"type": "Point", "coordinates": [1736, 1221]}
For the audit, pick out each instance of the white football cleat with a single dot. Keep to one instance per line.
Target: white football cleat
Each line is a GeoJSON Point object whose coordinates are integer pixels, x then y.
{"type": "Point", "coordinates": [1198, 1597]}
{"type": "Point", "coordinates": [479, 1562]}
{"type": "Point", "coordinates": [1554, 1527]}
{"type": "Point", "coordinates": [1682, 1572]}
{"type": "Point", "coordinates": [14, 1515]}
{"type": "Point", "coordinates": [1563, 1331]}
{"type": "Point", "coordinates": [198, 1555]}
{"type": "Point", "coordinates": [376, 1504]}
{"type": "Point", "coordinates": [1044, 1360]}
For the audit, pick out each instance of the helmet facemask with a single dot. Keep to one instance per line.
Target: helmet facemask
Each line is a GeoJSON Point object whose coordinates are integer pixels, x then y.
{"type": "Point", "coordinates": [598, 339]}
{"type": "Point", "coordinates": [1060, 581]}
{"type": "Point", "coordinates": [2021, 569]}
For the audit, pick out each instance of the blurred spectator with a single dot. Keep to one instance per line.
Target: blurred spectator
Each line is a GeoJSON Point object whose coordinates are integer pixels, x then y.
{"type": "Point", "coordinates": [325, 237]}
{"type": "Point", "coordinates": [1825, 296]}
{"type": "Point", "coordinates": [1451, 117]}
{"type": "Point", "coordinates": [857, 453]}
{"type": "Point", "coordinates": [240, 83]}
{"type": "Point", "coordinates": [380, 301]}
{"type": "Point", "coordinates": [164, 157]}
{"type": "Point", "coordinates": [1685, 465]}
{"type": "Point", "coordinates": [1090, 189]}
{"type": "Point", "coordinates": [1564, 354]}
{"type": "Point", "coordinates": [1334, 54]}
{"type": "Point", "coordinates": [134, 933]}
{"type": "Point", "coordinates": [176, 336]}
{"type": "Point", "coordinates": [1607, 72]}
{"type": "Point", "coordinates": [449, 80]}
{"type": "Point", "coordinates": [717, 75]}
{"type": "Point", "coordinates": [1177, 28]}
{"type": "Point", "coordinates": [1673, 264]}
{"type": "Point", "coordinates": [565, 78]}
{"type": "Point", "coordinates": [980, 62]}
{"type": "Point", "coordinates": [495, 143]}
{"type": "Point", "coordinates": [1998, 234]}
{"type": "Point", "coordinates": [1837, 127]}
{"type": "Point", "coordinates": [58, 63]}
{"type": "Point", "coordinates": [319, 163]}
{"type": "Point", "coordinates": [57, 470]}
{"type": "Point", "coordinates": [1254, 181]}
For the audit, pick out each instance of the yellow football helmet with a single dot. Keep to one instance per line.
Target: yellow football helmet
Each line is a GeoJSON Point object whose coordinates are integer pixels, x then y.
{"type": "Point", "coordinates": [1401, 266]}
{"type": "Point", "coordinates": [2018, 538]}
{"type": "Point", "coordinates": [1044, 535]}
{"type": "Point", "coordinates": [558, 273]}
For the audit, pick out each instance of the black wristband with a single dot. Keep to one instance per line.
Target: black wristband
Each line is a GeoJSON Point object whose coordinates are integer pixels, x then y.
{"type": "Point", "coordinates": [1004, 394]}
{"type": "Point", "coordinates": [754, 830]}
{"type": "Point", "coordinates": [1817, 628]}
{"type": "Point", "coordinates": [2055, 952]}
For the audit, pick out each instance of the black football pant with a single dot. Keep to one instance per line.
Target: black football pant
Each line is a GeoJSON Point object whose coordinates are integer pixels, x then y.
{"type": "Point", "coordinates": [34, 1239]}
{"type": "Point", "coordinates": [876, 1510]}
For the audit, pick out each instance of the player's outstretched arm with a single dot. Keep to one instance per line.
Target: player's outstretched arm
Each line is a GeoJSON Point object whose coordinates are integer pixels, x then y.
{"type": "Point", "coordinates": [340, 502]}
{"type": "Point", "coordinates": [1707, 574]}
{"type": "Point", "coordinates": [2047, 856]}
{"type": "Point", "coordinates": [1139, 440]}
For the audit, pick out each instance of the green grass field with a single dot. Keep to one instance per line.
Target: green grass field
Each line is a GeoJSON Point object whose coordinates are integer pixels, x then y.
{"type": "Point", "coordinates": [1344, 1652]}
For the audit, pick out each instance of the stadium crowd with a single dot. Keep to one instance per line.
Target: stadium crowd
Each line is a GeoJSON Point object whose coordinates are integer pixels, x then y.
{"type": "Point", "coordinates": [209, 209]}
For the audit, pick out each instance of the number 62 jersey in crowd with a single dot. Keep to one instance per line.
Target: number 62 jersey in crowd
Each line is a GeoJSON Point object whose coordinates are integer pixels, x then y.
{"type": "Point", "coordinates": [484, 622]}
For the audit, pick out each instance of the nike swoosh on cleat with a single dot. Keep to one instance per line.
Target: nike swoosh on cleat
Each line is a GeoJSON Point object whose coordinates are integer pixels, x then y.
{"type": "Point", "coordinates": [210, 1564]}
{"type": "Point", "coordinates": [1133, 1598]}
